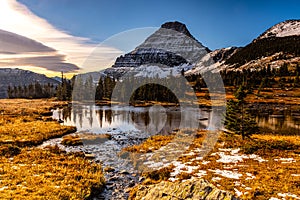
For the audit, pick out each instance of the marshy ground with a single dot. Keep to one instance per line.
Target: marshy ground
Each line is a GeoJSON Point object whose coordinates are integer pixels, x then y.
{"type": "Point", "coordinates": [267, 166]}
{"type": "Point", "coordinates": [28, 172]}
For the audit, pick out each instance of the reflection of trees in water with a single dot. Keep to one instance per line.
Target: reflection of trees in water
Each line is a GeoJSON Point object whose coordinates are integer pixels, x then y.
{"type": "Point", "coordinates": [66, 114]}
{"type": "Point", "coordinates": [157, 122]}
{"type": "Point", "coordinates": [108, 115]}
{"type": "Point", "coordinates": [90, 118]}
{"type": "Point", "coordinates": [77, 112]}
{"type": "Point", "coordinates": [284, 124]}
{"type": "Point", "coordinates": [142, 120]}
{"type": "Point", "coordinates": [100, 117]}
{"type": "Point", "coordinates": [145, 117]}
{"type": "Point", "coordinates": [279, 123]}
{"type": "Point", "coordinates": [80, 115]}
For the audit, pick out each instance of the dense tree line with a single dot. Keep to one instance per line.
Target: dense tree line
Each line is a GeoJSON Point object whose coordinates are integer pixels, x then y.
{"type": "Point", "coordinates": [32, 91]}
{"type": "Point", "coordinates": [266, 47]}
{"type": "Point", "coordinates": [265, 77]}
{"type": "Point", "coordinates": [63, 91]}
{"type": "Point", "coordinates": [80, 88]}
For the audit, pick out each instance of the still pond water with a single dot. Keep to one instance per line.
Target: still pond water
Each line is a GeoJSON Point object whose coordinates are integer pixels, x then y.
{"type": "Point", "coordinates": [158, 119]}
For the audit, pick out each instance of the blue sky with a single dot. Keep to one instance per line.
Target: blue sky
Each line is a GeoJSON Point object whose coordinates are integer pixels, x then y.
{"type": "Point", "coordinates": [215, 23]}
{"type": "Point", "coordinates": [50, 36]}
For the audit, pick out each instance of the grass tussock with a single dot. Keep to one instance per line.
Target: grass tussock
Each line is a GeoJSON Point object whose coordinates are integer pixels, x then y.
{"type": "Point", "coordinates": [44, 174]}
{"type": "Point", "coordinates": [32, 133]}
{"type": "Point", "coordinates": [263, 144]}
{"type": "Point", "coordinates": [85, 138]}
{"type": "Point", "coordinates": [26, 122]}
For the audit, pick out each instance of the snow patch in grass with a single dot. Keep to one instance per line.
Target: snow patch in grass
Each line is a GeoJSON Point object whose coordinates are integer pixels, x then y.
{"type": "Point", "coordinates": [237, 192]}
{"type": "Point", "coordinates": [201, 173]}
{"type": "Point", "coordinates": [216, 179]}
{"type": "Point", "coordinates": [285, 160]}
{"type": "Point", "coordinates": [227, 173]}
{"type": "Point", "coordinates": [288, 195]}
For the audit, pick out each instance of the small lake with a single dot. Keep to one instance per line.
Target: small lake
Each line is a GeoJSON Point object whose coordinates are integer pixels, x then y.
{"type": "Point", "coordinates": [151, 120]}
{"type": "Point", "coordinates": [161, 120]}
{"type": "Point", "coordinates": [280, 124]}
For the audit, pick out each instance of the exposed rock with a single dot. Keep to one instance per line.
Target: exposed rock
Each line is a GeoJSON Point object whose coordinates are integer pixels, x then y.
{"type": "Point", "coordinates": [177, 26]}
{"type": "Point", "coordinates": [189, 189]}
{"type": "Point", "coordinates": [222, 54]}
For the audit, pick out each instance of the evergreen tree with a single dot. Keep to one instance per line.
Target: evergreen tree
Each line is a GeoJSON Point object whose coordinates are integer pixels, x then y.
{"type": "Point", "coordinates": [99, 90]}
{"type": "Point", "coordinates": [238, 118]}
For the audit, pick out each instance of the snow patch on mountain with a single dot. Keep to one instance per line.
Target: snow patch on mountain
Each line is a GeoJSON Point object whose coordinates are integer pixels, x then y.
{"type": "Point", "coordinates": [283, 29]}
{"type": "Point", "coordinates": [154, 71]}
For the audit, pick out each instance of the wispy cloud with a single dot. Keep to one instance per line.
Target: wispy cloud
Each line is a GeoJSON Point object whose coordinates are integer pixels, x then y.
{"type": "Point", "coordinates": [50, 47]}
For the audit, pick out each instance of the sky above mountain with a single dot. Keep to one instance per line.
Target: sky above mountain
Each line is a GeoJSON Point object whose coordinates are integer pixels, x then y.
{"type": "Point", "coordinates": [70, 30]}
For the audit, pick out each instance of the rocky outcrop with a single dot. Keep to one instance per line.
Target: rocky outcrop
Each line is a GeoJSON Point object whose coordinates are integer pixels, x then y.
{"type": "Point", "coordinates": [148, 56]}
{"type": "Point", "coordinates": [177, 26]}
{"type": "Point", "coordinates": [187, 190]}
{"type": "Point", "coordinates": [222, 54]}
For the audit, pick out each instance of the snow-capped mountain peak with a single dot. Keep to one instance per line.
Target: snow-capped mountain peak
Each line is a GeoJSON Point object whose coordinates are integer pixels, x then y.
{"type": "Point", "coordinates": [283, 29]}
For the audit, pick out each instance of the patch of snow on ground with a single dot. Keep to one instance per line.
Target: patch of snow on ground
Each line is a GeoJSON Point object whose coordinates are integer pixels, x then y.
{"type": "Point", "coordinates": [225, 158]}
{"type": "Point", "coordinates": [288, 195]}
{"type": "Point", "coordinates": [215, 179]}
{"type": "Point", "coordinates": [227, 173]}
{"type": "Point", "coordinates": [3, 188]}
{"type": "Point", "coordinates": [295, 175]}
{"type": "Point", "coordinates": [205, 162]}
{"type": "Point", "coordinates": [182, 167]}
{"type": "Point", "coordinates": [249, 176]}
{"type": "Point", "coordinates": [234, 156]}
{"type": "Point", "coordinates": [153, 164]}
{"type": "Point", "coordinates": [237, 192]}
{"type": "Point", "coordinates": [201, 173]}
{"type": "Point", "coordinates": [285, 160]}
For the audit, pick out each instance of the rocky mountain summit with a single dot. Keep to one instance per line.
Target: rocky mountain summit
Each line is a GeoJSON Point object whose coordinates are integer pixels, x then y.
{"type": "Point", "coordinates": [171, 47]}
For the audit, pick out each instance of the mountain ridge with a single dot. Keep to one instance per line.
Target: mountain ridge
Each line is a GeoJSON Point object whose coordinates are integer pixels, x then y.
{"type": "Point", "coordinates": [15, 77]}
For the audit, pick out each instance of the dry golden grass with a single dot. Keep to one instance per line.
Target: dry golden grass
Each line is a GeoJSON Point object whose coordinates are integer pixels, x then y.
{"type": "Point", "coordinates": [31, 133]}
{"type": "Point", "coordinates": [26, 122]}
{"type": "Point", "coordinates": [44, 174]}
{"type": "Point", "coordinates": [32, 173]}
{"type": "Point", "coordinates": [151, 144]}
{"type": "Point", "coordinates": [287, 138]}
{"type": "Point", "coordinates": [271, 177]}
{"type": "Point", "coordinates": [26, 107]}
